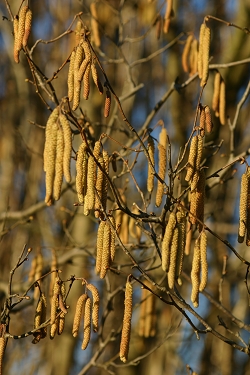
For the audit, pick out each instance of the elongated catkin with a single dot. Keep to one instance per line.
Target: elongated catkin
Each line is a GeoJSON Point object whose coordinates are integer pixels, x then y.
{"type": "Point", "coordinates": [205, 56]}
{"type": "Point", "coordinates": [81, 172]}
{"type": "Point", "coordinates": [200, 52]}
{"type": "Point", "coordinates": [107, 104]}
{"type": "Point", "coordinates": [87, 324]}
{"type": "Point", "coordinates": [191, 166]}
{"type": "Point", "coordinates": [216, 94]}
{"type": "Point", "coordinates": [162, 147]}
{"type": "Point", "coordinates": [166, 243]}
{"type": "Point", "coordinates": [27, 27]}
{"type": "Point", "coordinates": [58, 164]}
{"type": "Point", "coordinates": [95, 305]}
{"type": "Point", "coordinates": [67, 138]}
{"type": "Point", "coordinates": [222, 104]}
{"type": "Point", "coordinates": [99, 246]}
{"type": "Point", "coordinates": [243, 207]}
{"type": "Point", "coordinates": [80, 306]}
{"type": "Point", "coordinates": [195, 274]}
{"type": "Point", "coordinates": [173, 259]}
{"type": "Point", "coordinates": [204, 265]}
{"type": "Point", "coordinates": [106, 250]}
{"type": "Point", "coordinates": [186, 53]}
{"type": "Point", "coordinates": [71, 76]}
{"type": "Point", "coordinates": [126, 326]}
{"type": "Point", "coordinates": [150, 179]}
{"type": "Point", "coordinates": [21, 27]}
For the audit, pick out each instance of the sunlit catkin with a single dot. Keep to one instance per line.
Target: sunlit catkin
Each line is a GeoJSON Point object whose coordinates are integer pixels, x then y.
{"type": "Point", "coordinates": [96, 80]}
{"type": "Point", "coordinates": [195, 274]}
{"type": "Point", "coordinates": [40, 314]}
{"type": "Point", "coordinates": [167, 16]}
{"type": "Point", "coordinates": [192, 158]}
{"type": "Point", "coordinates": [99, 187]}
{"type": "Point", "coordinates": [162, 148]}
{"type": "Point", "coordinates": [58, 164]}
{"type": "Point", "coordinates": [81, 172]}
{"type": "Point", "coordinates": [222, 103]}
{"type": "Point", "coordinates": [78, 58]}
{"type": "Point", "coordinates": [166, 243]}
{"type": "Point", "coordinates": [105, 179]}
{"type": "Point", "coordinates": [216, 94]}
{"type": "Point", "coordinates": [71, 76]}
{"type": "Point", "coordinates": [205, 56]}
{"type": "Point", "coordinates": [208, 119]}
{"type": "Point", "coordinates": [126, 326]}
{"type": "Point", "coordinates": [173, 259]}
{"type": "Point", "coordinates": [2, 349]}
{"type": "Point", "coordinates": [94, 25]}
{"type": "Point", "coordinates": [107, 104]}
{"type": "Point", "coordinates": [87, 324]}
{"type": "Point", "coordinates": [15, 29]}
{"type": "Point", "coordinates": [186, 53]}
{"type": "Point", "coordinates": [112, 237]}
{"type": "Point", "coordinates": [200, 52]}
{"type": "Point", "coordinates": [67, 137]}
{"type": "Point", "coordinates": [204, 265]}
{"type": "Point", "coordinates": [202, 121]}
{"type": "Point", "coordinates": [27, 27]}
{"type": "Point", "coordinates": [193, 57]}
{"type": "Point", "coordinates": [61, 323]}
{"type": "Point", "coordinates": [151, 151]}
{"type": "Point", "coordinates": [21, 27]}
{"type": "Point", "coordinates": [90, 195]}
{"type": "Point", "coordinates": [99, 246]}
{"type": "Point", "coordinates": [95, 305]}
{"type": "Point", "coordinates": [80, 306]}
{"type": "Point", "coordinates": [78, 32]}
{"type": "Point", "coordinates": [86, 83]}
{"type": "Point", "coordinates": [181, 226]}
{"type": "Point", "coordinates": [188, 238]}
{"type": "Point", "coordinates": [105, 250]}
{"type": "Point", "coordinates": [243, 207]}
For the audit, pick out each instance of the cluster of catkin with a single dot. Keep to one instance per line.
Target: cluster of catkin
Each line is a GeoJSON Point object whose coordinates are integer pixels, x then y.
{"type": "Point", "coordinates": [244, 214]}
{"type": "Point", "coordinates": [57, 154]}
{"type": "Point", "coordinates": [173, 245]}
{"type": "Point", "coordinates": [58, 308]}
{"type": "Point", "coordinates": [219, 98]}
{"type": "Point", "coordinates": [126, 326]}
{"type": "Point", "coordinates": [91, 178]}
{"type": "Point", "coordinates": [203, 54]}
{"type": "Point", "coordinates": [81, 65]}
{"type": "Point", "coordinates": [196, 177]}
{"type": "Point", "coordinates": [105, 246]}
{"type": "Point", "coordinates": [162, 168]}
{"type": "Point", "coordinates": [199, 272]}
{"type": "Point", "coordinates": [87, 311]}
{"type": "Point", "coordinates": [189, 57]}
{"type": "Point", "coordinates": [147, 318]}
{"type": "Point", "coordinates": [22, 29]}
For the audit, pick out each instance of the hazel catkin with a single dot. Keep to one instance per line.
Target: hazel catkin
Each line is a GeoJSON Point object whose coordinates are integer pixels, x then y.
{"type": "Point", "coordinates": [126, 326]}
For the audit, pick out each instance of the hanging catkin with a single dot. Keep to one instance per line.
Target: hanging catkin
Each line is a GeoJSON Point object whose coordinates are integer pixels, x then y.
{"type": "Point", "coordinates": [58, 164]}
{"type": "Point", "coordinates": [162, 148]}
{"type": "Point", "coordinates": [112, 238]}
{"type": "Point", "coordinates": [15, 30]}
{"type": "Point", "coordinates": [27, 27]}
{"type": "Point", "coordinates": [222, 103]}
{"type": "Point", "coordinates": [80, 307]}
{"type": "Point", "coordinates": [81, 172]}
{"type": "Point", "coordinates": [205, 56]}
{"type": "Point", "coordinates": [87, 324]}
{"type": "Point", "coordinates": [2, 349]}
{"type": "Point", "coordinates": [99, 187]}
{"type": "Point", "coordinates": [202, 121]}
{"type": "Point", "coordinates": [67, 137]}
{"type": "Point", "coordinates": [151, 151]}
{"type": "Point", "coordinates": [191, 165]}
{"type": "Point", "coordinates": [71, 76]}
{"type": "Point", "coordinates": [107, 104]}
{"type": "Point", "coordinates": [78, 58]}
{"type": "Point", "coordinates": [96, 78]}
{"type": "Point", "coordinates": [195, 274]}
{"type": "Point", "coordinates": [167, 16]}
{"type": "Point", "coordinates": [166, 243]}
{"type": "Point", "coordinates": [173, 259]}
{"type": "Point", "coordinates": [186, 54]}
{"type": "Point", "coordinates": [21, 27]}
{"type": "Point", "coordinates": [208, 119]}
{"type": "Point", "coordinates": [99, 246]}
{"type": "Point", "coordinates": [126, 326]}
{"type": "Point", "coordinates": [89, 202]}
{"type": "Point", "coordinates": [200, 52]}
{"type": "Point", "coordinates": [105, 179]}
{"type": "Point", "coordinates": [216, 94]}
{"type": "Point", "coordinates": [204, 265]}
{"type": "Point", "coordinates": [243, 207]}
{"type": "Point", "coordinates": [105, 250]}
{"type": "Point", "coordinates": [181, 225]}
{"type": "Point", "coordinates": [95, 305]}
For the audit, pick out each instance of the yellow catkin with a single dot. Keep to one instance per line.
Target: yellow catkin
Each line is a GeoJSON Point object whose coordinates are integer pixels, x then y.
{"type": "Point", "coordinates": [95, 305]}
{"type": "Point", "coordinates": [40, 317]}
{"type": "Point", "coordinates": [199, 152]}
{"type": "Point", "coordinates": [216, 94]}
{"type": "Point", "coordinates": [71, 76]}
{"type": "Point", "coordinates": [80, 307]}
{"type": "Point", "coordinates": [151, 151]}
{"type": "Point", "coordinates": [188, 239]}
{"type": "Point", "coordinates": [162, 147]}
{"type": "Point", "coordinates": [173, 259]}
{"type": "Point", "coordinates": [195, 274]}
{"type": "Point", "coordinates": [166, 243]}
{"type": "Point", "coordinates": [2, 349]}
{"type": "Point", "coordinates": [193, 57]}
{"type": "Point", "coordinates": [61, 323]}
{"type": "Point", "coordinates": [167, 16]}
{"type": "Point", "coordinates": [49, 154]}
{"type": "Point", "coordinates": [94, 25]}
{"type": "Point", "coordinates": [21, 27]}
{"type": "Point", "coordinates": [112, 238]}
{"type": "Point", "coordinates": [99, 187]}
{"type": "Point", "coordinates": [27, 27]}
{"type": "Point", "coordinates": [105, 250]}
{"type": "Point", "coordinates": [78, 32]}
{"type": "Point", "coordinates": [86, 61]}
{"type": "Point", "coordinates": [67, 137]}
{"type": "Point", "coordinates": [86, 83]}
{"type": "Point", "coordinates": [58, 164]}
{"type": "Point", "coordinates": [105, 179]}
{"type": "Point", "coordinates": [243, 207]}
{"type": "Point", "coordinates": [90, 194]}
{"type": "Point", "coordinates": [87, 324]}
{"type": "Point", "coordinates": [200, 52]}
{"type": "Point", "coordinates": [204, 265]}
{"type": "Point", "coordinates": [16, 51]}
{"type": "Point", "coordinates": [99, 246]}
{"type": "Point", "coordinates": [126, 326]}
{"type": "Point", "coordinates": [53, 329]}
{"type": "Point", "coordinates": [192, 158]}
{"type": "Point", "coordinates": [181, 226]}
{"type": "Point", "coordinates": [208, 119]}
{"type": "Point", "coordinates": [54, 306]}
{"type": "Point", "coordinates": [107, 104]}
{"type": "Point", "coordinates": [186, 53]}
{"type": "Point", "coordinates": [197, 200]}
{"type": "Point", "coordinates": [81, 172]}
{"type": "Point", "coordinates": [202, 121]}
{"type": "Point", "coordinates": [77, 84]}
{"type": "Point", "coordinates": [205, 56]}
{"type": "Point", "coordinates": [248, 209]}
{"type": "Point", "coordinates": [96, 78]}
{"type": "Point", "coordinates": [222, 104]}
